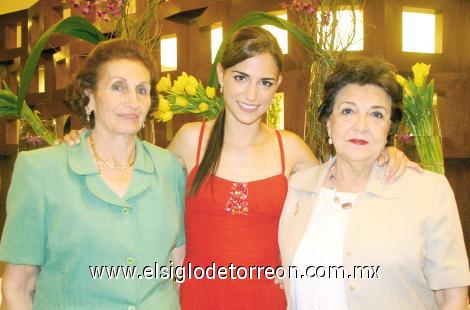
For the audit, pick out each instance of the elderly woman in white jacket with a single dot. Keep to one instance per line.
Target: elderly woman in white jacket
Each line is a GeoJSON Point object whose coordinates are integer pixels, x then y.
{"type": "Point", "coordinates": [354, 242]}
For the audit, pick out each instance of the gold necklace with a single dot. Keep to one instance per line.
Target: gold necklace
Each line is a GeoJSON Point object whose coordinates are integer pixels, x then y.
{"type": "Point", "coordinates": [100, 158]}
{"type": "Point", "coordinates": [346, 205]}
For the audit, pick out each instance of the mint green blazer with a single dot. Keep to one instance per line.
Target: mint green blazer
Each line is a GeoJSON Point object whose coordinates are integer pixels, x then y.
{"type": "Point", "coordinates": [62, 217]}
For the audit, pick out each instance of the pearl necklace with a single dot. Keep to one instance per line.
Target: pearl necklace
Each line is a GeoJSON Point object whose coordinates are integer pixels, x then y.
{"type": "Point", "coordinates": [346, 205]}
{"type": "Point", "coordinates": [100, 158]}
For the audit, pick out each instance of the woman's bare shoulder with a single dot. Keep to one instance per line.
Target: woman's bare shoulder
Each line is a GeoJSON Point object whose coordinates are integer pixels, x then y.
{"type": "Point", "coordinates": [186, 136]}
{"type": "Point", "coordinates": [297, 151]}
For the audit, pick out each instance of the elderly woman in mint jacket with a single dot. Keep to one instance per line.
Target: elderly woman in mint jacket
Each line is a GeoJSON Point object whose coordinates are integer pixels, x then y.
{"type": "Point", "coordinates": [404, 237]}
{"type": "Point", "coordinates": [114, 201]}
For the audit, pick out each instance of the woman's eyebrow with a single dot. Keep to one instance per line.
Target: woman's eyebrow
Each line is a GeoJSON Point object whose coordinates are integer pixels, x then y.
{"type": "Point", "coordinates": [246, 74]}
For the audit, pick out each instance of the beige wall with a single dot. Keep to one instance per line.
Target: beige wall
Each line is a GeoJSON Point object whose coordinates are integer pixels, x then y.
{"type": "Point", "coordinates": [8, 6]}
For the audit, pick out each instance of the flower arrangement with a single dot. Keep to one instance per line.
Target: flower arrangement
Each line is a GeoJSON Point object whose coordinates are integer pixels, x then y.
{"type": "Point", "coordinates": [320, 20]}
{"type": "Point", "coordinates": [186, 95]}
{"type": "Point", "coordinates": [421, 117]}
{"type": "Point", "coordinates": [106, 10]}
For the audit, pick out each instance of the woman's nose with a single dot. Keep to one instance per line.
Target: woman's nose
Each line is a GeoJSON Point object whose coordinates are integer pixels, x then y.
{"type": "Point", "coordinates": [252, 92]}
{"type": "Point", "coordinates": [361, 122]}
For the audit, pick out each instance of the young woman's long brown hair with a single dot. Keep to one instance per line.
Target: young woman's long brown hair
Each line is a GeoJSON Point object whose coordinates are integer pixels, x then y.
{"type": "Point", "coordinates": [244, 43]}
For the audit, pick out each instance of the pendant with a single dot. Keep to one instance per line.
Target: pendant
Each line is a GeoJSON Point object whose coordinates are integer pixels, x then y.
{"type": "Point", "coordinates": [336, 200]}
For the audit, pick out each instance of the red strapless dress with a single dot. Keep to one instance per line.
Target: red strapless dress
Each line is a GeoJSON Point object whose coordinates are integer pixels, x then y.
{"type": "Point", "coordinates": [234, 223]}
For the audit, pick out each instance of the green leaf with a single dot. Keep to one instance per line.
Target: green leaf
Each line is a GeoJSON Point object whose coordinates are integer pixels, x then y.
{"type": "Point", "coordinates": [259, 19]}
{"type": "Point", "coordinates": [75, 26]}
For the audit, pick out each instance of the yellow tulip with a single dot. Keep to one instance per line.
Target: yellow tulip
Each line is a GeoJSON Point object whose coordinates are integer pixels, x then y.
{"type": "Point", "coordinates": [408, 91]}
{"type": "Point", "coordinates": [163, 116]}
{"type": "Point", "coordinates": [163, 105]}
{"type": "Point", "coordinates": [164, 84]}
{"type": "Point", "coordinates": [190, 89]}
{"type": "Point", "coordinates": [419, 80]}
{"type": "Point", "coordinates": [166, 116]}
{"type": "Point", "coordinates": [180, 83]}
{"type": "Point", "coordinates": [420, 73]}
{"type": "Point", "coordinates": [192, 80]}
{"type": "Point", "coordinates": [184, 78]}
{"type": "Point", "coordinates": [401, 80]}
{"type": "Point", "coordinates": [178, 86]}
{"type": "Point", "coordinates": [210, 92]}
{"type": "Point", "coordinates": [181, 101]}
{"type": "Point", "coordinates": [203, 107]}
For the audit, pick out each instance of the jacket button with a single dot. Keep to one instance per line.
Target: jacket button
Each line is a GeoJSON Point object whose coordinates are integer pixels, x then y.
{"type": "Point", "coordinates": [130, 261]}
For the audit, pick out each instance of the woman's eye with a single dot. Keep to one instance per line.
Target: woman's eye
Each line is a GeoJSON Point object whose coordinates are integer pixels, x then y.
{"type": "Point", "coordinates": [267, 83]}
{"type": "Point", "coordinates": [346, 111]}
{"type": "Point", "coordinates": [377, 114]}
{"type": "Point", "coordinates": [117, 86]}
{"type": "Point", "coordinates": [142, 90]}
{"type": "Point", "coordinates": [239, 77]}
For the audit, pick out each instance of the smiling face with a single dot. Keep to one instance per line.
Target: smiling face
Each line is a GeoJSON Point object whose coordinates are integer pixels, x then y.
{"type": "Point", "coordinates": [249, 87]}
{"type": "Point", "coordinates": [360, 122]}
{"type": "Point", "coordinates": [121, 100]}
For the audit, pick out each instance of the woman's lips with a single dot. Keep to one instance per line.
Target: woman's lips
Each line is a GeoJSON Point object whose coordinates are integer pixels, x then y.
{"type": "Point", "coordinates": [248, 108]}
{"type": "Point", "coordinates": [130, 117]}
{"type": "Point", "coordinates": [358, 141]}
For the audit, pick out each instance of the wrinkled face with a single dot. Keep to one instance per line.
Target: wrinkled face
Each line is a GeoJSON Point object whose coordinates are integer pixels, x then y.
{"type": "Point", "coordinates": [360, 122]}
{"type": "Point", "coordinates": [122, 97]}
{"type": "Point", "coordinates": [249, 87]}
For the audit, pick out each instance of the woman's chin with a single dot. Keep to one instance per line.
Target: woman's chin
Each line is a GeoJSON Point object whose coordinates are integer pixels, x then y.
{"type": "Point", "coordinates": [354, 157]}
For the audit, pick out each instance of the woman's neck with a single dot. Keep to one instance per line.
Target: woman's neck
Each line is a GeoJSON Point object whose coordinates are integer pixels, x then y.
{"type": "Point", "coordinates": [115, 148]}
{"type": "Point", "coordinates": [351, 176]}
{"type": "Point", "coordinates": [241, 135]}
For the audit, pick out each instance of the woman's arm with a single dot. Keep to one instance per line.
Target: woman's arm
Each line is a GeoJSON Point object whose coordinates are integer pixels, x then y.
{"type": "Point", "coordinates": [18, 286]}
{"type": "Point", "coordinates": [455, 298]}
{"type": "Point", "coordinates": [184, 144]}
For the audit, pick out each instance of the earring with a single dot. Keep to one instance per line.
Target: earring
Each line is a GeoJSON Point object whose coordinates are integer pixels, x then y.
{"type": "Point", "coordinates": [330, 141]}
{"type": "Point", "coordinates": [221, 88]}
{"type": "Point", "coordinates": [87, 112]}
{"type": "Point", "coordinates": [143, 125]}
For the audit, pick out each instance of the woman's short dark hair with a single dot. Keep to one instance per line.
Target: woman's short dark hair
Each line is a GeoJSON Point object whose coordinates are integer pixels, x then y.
{"type": "Point", "coordinates": [363, 71]}
{"type": "Point", "coordinates": [87, 76]}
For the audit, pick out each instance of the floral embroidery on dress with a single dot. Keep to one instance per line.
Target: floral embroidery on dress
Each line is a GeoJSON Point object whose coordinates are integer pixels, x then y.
{"type": "Point", "coordinates": [237, 202]}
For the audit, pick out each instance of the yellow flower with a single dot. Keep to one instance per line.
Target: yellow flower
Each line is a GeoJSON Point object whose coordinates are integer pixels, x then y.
{"type": "Point", "coordinates": [419, 80]}
{"type": "Point", "coordinates": [203, 107]}
{"type": "Point", "coordinates": [178, 87]}
{"type": "Point", "coordinates": [420, 73]}
{"type": "Point", "coordinates": [192, 80]}
{"type": "Point", "coordinates": [190, 89]}
{"type": "Point", "coordinates": [210, 92]}
{"type": "Point", "coordinates": [181, 101]}
{"type": "Point", "coordinates": [164, 84]}
{"type": "Point", "coordinates": [164, 104]}
{"type": "Point", "coordinates": [401, 80]}
{"type": "Point", "coordinates": [163, 116]}
{"type": "Point", "coordinates": [407, 89]}
{"type": "Point", "coordinates": [180, 83]}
